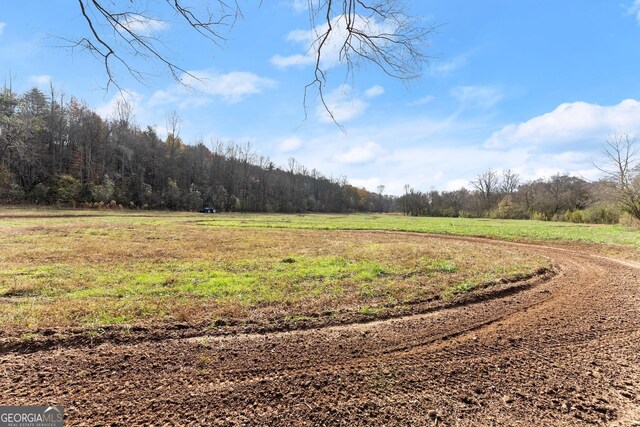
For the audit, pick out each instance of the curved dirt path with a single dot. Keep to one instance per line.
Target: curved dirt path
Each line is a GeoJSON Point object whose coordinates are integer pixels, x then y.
{"type": "Point", "coordinates": [564, 352]}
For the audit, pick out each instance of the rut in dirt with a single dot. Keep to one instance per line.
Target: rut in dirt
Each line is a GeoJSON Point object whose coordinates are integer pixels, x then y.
{"type": "Point", "coordinates": [562, 352]}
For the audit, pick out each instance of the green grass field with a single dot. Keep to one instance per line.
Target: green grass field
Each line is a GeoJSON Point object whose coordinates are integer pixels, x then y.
{"type": "Point", "coordinates": [95, 268]}
{"type": "Point", "coordinates": [516, 230]}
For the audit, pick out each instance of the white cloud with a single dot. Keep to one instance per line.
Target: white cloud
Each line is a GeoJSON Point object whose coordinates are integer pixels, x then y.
{"type": "Point", "coordinates": [300, 5]}
{"type": "Point", "coordinates": [232, 87]}
{"type": "Point", "coordinates": [200, 86]}
{"type": "Point", "coordinates": [374, 91]}
{"type": "Point", "coordinates": [592, 173]}
{"type": "Point", "coordinates": [2, 26]}
{"type": "Point", "coordinates": [142, 114]}
{"type": "Point", "coordinates": [479, 97]}
{"type": "Point", "coordinates": [292, 61]}
{"type": "Point", "coordinates": [40, 80]}
{"type": "Point", "coordinates": [290, 144]}
{"type": "Point", "coordinates": [107, 110]}
{"type": "Point", "coordinates": [343, 104]}
{"type": "Point", "coordinates": [144, 26]}
{"type": "Point", "coordinates": [372, 182]}
{"type": "Point", "coordinates": [575, 122]}
{"type": "Point", "coordinates": [310, 41]}
{"type": "Point", "coordinates": [443, 152]}
{"type": "Point", "coordinates": [422, 101]}
{"type": "Point", "coordinates": [431, 152]}
{"type": "Point", "coordinates": [459, 161]}
{"type": "Point", "coordinates": [634, 9]}
{"type": "Point", "coordinates": [300, 36]}
{"type": "Point", "coordinates": [164, 97]}
{"type": "Point", "coordinates": [574, 163]}
{"type": "Point", "coordinates": [456, 184]}
{"type": "Point", "coordinates": [360, 154]}
{"type": "Point", "coordinates": [448, 67]}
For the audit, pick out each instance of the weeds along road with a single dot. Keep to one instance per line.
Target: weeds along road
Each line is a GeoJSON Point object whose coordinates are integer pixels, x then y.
{"type": "Point", "coordinates": [563, 352]}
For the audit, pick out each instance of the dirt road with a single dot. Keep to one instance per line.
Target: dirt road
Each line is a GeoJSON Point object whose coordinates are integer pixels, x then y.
{"type": "Point", "coordinates": [563, 352]}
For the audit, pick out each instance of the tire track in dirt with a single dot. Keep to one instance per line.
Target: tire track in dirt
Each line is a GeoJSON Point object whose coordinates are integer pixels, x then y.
{"type": "Point", "coordinates": [562, 352]}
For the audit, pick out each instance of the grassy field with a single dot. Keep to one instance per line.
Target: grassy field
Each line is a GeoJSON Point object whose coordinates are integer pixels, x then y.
{"type": "Point", "coordinates": [517, 230]}
{"type": "Point", "coordinates": [90, 268]}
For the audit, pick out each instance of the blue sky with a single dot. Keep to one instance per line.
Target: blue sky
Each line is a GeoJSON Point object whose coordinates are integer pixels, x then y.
{"type": "Point", "coordinates": [532, 86]}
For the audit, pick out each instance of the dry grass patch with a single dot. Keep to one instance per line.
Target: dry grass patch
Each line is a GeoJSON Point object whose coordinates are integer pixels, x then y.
{"type": "Point", "coordinates": [100, 270]}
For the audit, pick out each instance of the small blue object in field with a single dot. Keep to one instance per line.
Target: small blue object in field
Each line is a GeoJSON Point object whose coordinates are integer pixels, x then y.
{"type": "Point", "coordinates": [208, 210]}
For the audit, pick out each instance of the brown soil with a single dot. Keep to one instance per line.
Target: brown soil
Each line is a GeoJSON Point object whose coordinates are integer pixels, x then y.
{"type": "Point", "coordinates": [556, 352]}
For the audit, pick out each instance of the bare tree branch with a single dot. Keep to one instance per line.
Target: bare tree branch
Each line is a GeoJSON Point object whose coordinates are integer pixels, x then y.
{"type": "Point", "coordinates": [621, 168]}
{"type": "Point", "coordinates": [370, 31]}
{"type": "Point", "coordinates": [379, 32]}
{"type": "Point", "coordinates": [126, 41]}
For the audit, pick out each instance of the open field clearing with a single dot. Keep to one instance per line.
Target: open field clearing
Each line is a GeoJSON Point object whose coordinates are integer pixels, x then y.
{"type": "Point", "coordinates": [418, 329]}
{"type": "Point", "coordinates": [519, 230]}
{"type": "Point", "coordinates": [123, 269]}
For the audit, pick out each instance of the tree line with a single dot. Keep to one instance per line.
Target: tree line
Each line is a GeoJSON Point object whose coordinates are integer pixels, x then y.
{"type": "Point", "coordinates": [54, 151]}
{"type": "Point", "coordinates": [57, 151]}
{"type": "Point", "coordinates": [560, 197]}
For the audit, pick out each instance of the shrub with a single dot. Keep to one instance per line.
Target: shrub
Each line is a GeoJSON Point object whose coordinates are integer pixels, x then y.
{"type": "Point", "coordinates": [538, 216]}
{"type": "Point", "coordinates": [14, 193]}
{"type": "Point", "coordinates": [193, 200]}
{"type": "Point", "coordinates": [603, 214]}
{"type": "Point", "coordinates": [629, 221]}
{"type": "Point", "coordinates": [450, 212]}
{"type": "Point", "coordinates": [599, 214]}
{"type": "Point", "coordinates": [66, 189]}
{"type": "Point", "coordinates": [40, 193]}
{"type": "Point", "coordinates": [577, 216]}
{"type": "Point", "coordinates": [10, 190]}
{"type": "Point", "coordinates": [103, 192]}
{"type": "Point", "coordinates": [172, 195]}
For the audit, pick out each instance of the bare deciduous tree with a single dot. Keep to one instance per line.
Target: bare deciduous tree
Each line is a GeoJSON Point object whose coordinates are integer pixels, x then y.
{"type": "Point", "coordinates": [414, 203]}
{"type": "Point", "coordinates": [173, 123]}
{"type": "Point", "coordinates": [509, 182]}
{"type": "Point", "coordinates": [621, 167]}
{"type": "Point", "coordinates": [487, 184]}
{"type": "Point", "coordinates": [371, 31]}
{"type": "Point", "coordinates": [119, 31]}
